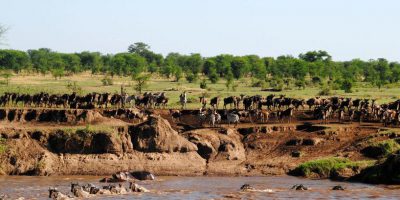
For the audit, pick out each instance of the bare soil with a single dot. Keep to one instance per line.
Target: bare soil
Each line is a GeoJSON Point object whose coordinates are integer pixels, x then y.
{"type": "Point", "coordinates": [48, 143]}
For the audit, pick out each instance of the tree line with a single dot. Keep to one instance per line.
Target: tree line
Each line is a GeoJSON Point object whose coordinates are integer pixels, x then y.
{"type": "Point", "coordinates": [312, 66]}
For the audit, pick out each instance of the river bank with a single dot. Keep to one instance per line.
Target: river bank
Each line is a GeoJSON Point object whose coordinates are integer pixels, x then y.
{"type": "Point", "coordinates": [102, 143]}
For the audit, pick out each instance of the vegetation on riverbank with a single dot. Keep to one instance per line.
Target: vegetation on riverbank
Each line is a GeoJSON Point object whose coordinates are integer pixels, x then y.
{"type": "Point", "coordinates": [328, 167]}
{"type": "Point", "coordinates": [382, 148]}
{"type": "Point", "coordinates": [283, 72]}
{"type": "Point", "coordinates": [386, 171]}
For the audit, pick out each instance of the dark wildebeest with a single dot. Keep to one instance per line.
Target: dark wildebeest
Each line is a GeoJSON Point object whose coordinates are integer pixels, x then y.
{"type": "Point", "coordinates": [288, 113]}
{"type": "Point", "coordinates": [214, 102]}
{"type": "Point", "coordinates": [232, 100]}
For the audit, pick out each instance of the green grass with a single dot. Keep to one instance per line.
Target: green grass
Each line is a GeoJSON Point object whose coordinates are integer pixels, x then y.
{"type": "Point", "coordinates": [3, 146]}
{"type": "Point", "coordinates": [382, 148]}
{"type": "Point", "coordinates": [92, 83]}
{"type": "Point", "coordinates": [324, 167]}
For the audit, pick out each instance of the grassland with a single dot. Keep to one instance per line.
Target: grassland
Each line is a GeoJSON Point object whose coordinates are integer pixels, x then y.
{"type": "Point", "coordinates": [33, 83]}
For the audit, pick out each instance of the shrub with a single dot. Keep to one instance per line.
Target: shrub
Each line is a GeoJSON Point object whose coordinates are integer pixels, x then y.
{"type": "Point", "coordinates": [326, 166]}
{"type": "Point", "coordinates": [3, 146]}
{"type": "Point", "coordinates": [107, 81]}
{"type": "Point", "coordinates": [325, 91]}
{"type": "Point", "coordinates": [191, 78]}
{"type": "Point", "coordinates": [301, 84]}
{"type": "Point", "coordinates": [203, 84]}
{"type": "Point", "coordinates": [74, 87]}
{"type": "Point", "coordinates": [213, 76]}
{"type": "Point", "coordinates": [347, 86]}
{"type": "Point", "coordinates": [381, 149]}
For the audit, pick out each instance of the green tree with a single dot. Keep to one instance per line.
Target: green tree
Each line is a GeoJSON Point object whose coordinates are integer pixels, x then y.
{"type": "Point", "coordinates": [194, 63]}
{"type": "Point", "coordinates": [223, 63]}
{"type": "Point", "coordinates": [229, 78]}
{"type": "Point", "coordinates": [313, 56]}
{"type": "Point", "coordinates": [143, 50]}
{"type": "Point", "coordinates": [178, 73]}
{"type": "Point", "coordinates": [6, 75]}
{"type": "Point", "coordinates": [257, 66]}
{"type": "Point", "coordinates": [190, 77]}
{"type": "Point", "coordinates": [347, 86]}
{"type": "Point", "coordinates": [57, 73]}
{"type": "Point", "coordinates": [140, 82]}
{"type": "Point", "coordinates": [14, 60]}
{"type": "Point", "coordinates": [239, 66]}
{"type": "Point", "coordinates": [213, 76]}
{"type": "Point", "coordinates": [208, 65]}
{"type": "Point", "coordinates": [383, 72]}
{"type": "Point", "coordinates": [91, 61]}
{"type": "Point", "coordinates": [72, 63]}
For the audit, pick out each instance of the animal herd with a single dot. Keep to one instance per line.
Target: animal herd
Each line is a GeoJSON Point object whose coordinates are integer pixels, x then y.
{"type": "Point", "coordinates": [261, 109]}
{"type": "Point", "coordinates": [255, 108]}
{"type": "Point", "coordinates": [88, 101]}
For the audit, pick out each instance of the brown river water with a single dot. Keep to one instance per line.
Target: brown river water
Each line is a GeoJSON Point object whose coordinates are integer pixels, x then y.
{"type": "Point", "coordinates": [277, 187]}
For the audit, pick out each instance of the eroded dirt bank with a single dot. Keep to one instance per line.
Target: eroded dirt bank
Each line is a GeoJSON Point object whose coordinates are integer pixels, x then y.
{"type": "Point", "coordinates": [102, 143]}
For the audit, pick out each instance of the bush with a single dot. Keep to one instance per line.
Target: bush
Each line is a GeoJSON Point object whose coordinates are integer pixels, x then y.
{"type": "Point", "coordinates": [213, 76]}
{"type": "Point", "coordinates": [74, 87]}
{"type": "Point", "coordinates": [191, 78]}
{"type": "Point", "coordinates": [326, 167]}
{"type": "Point", "coordinates": [325, 91]}
{"type": "Point", "coordinates": [381, 149]}
{"type": "Point", "coordinates": [107, 81]}
{"type": "Point", "coordinates": [301, 84]}
{"type": "Point", "coordinates": [203, 84]}
{"type": "Point", "coordinates": [347, 86]}
{"type": "Point", "coordinates": [258, 83]}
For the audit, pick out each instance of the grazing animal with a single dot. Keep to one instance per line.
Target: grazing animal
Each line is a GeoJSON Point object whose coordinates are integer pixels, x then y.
{"type": "Point", "coordinates": [203, 101]}
{"type": "Point", "coordinates": [133, 187]}
{"type": "Point", "coordinates": [299, 187]}
{"type": "Point", "coordinates": [183, 100]}
{"type": "Point", "coordinates": [57, 195]}
{"type": "Point", "coordinates": [214, 102]}
{"type": "Point", "coordinates": [232, 118]}
{"type": "Point", "coordinates": [288, 113]}
{"type": "Point", "coordinates": [263, 115]}
{"type": "Point", "coordinates": [232, 100]}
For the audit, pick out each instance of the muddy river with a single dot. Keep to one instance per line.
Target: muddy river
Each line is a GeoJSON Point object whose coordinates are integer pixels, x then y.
{"type": "Point", "coordinates": [204, 188]}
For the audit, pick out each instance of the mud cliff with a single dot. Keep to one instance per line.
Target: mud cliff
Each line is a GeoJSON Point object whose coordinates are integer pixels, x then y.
{"type": "Point", "coordinates": [102, 143]}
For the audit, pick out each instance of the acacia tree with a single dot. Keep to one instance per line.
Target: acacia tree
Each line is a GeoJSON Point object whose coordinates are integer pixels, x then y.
{"type": "Point", "coordinates": [141, 82]}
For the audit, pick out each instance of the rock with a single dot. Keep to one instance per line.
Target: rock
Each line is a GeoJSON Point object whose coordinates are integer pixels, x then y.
{"type": "Point", "coordinates": [157, 135]}
{"type": "Point", "coordinates": [214, 146]}
{"type": "Point", "coordinates": [337, 187]}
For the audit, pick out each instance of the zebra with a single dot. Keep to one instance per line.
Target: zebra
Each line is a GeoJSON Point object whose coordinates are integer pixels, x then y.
{"type": "Point", "coordinates": [183, 100]}
{"type": "Point", "coordinates": [232, 118]}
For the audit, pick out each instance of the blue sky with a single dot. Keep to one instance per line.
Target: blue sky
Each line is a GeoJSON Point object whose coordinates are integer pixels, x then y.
{"type": "Point", "coordinates": [345, 28]}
